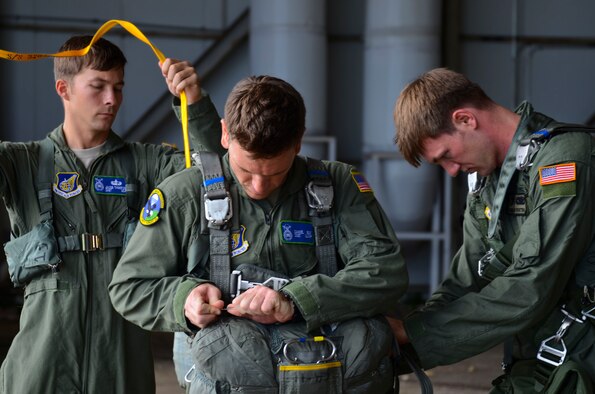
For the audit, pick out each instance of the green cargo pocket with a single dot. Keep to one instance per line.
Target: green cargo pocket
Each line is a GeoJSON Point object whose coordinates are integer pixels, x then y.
{"type": "Point", "coordinates": [33, 254]}
{"type": "Point", "coordinates": [326, 377]}
{"type": "Point", "coordinates": [232, 355]}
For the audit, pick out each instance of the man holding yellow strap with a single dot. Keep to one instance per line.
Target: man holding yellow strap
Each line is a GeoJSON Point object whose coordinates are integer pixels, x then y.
{"type": "Point", "coordinates": [72, 198]}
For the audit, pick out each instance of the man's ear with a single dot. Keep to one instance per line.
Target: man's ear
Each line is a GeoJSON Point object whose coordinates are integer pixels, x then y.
{"type": "Point", "coordinates": [464, 119]}
{"type": "Point", "coordinates": [224, 135]}
{"type": "Point", "coordinates": [62, 89]}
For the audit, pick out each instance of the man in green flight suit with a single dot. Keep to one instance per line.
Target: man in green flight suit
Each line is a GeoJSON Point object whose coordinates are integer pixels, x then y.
{"type": "Point", "coordinates": [525, 274]}
{"type": "Point", "coordinates": [71, 198]}
{"type": "Point", "coordinates": [279, 339]}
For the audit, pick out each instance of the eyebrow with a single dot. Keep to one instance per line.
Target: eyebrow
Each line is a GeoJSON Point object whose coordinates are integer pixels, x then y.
{"type": "Point", "coordinates": [99, 79]}
{"type": "Point", "coordinates": [441, 156]}
{"type": "Point", "coordinates": [246, 171]}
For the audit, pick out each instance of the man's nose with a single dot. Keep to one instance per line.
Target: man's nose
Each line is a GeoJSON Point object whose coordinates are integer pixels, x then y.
{"type": "Point", "coordinates": [451, 168]}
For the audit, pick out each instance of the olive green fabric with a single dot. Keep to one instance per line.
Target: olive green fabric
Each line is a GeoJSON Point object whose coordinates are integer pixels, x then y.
{"type": "Point", "coordinates": [70, 339]}
{"type": "Point", "coordinates": [150, 284]}
{"type": "Point", "coordinates": [468, 314]}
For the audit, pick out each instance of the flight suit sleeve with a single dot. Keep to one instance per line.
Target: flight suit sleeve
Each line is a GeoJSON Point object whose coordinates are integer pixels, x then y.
{"type": "Point", "coordinates": [150, 283]}
{"type": "Point", "coordinates": [204, 130]}
{"type": "Point", "coordinates": [374, 275]}
{"type": "Point", "coordinates": [553, 239]}
{"type": "Point", "coordinates": [204, 125]}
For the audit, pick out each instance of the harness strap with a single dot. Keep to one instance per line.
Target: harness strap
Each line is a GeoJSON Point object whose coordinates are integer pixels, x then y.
{"type": "Point", "coordinates": [85, 242]}
{"type": "Point", "coordinates": [132, 188]}
{"type": "Point", "coordinates": [44, 178]}
{"type": "Point", "coordinates": [88, 242]}
{"type": "Point", "coordinates": [217, 211]}
{"type": "Point", "coordinates": [319, 196]}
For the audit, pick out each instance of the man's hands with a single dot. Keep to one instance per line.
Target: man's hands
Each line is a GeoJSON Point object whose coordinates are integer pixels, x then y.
{"type": "Point", "coordinates": [260, 303]}
{"type": "Point", "coordinates": [203, 305]}
{"type": "Point", "coordinates": [263, 305]}
{"type": "Point", "coordinates": [181, 76]}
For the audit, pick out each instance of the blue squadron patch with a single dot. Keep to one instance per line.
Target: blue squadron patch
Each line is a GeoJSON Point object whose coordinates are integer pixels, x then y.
{"type": "Point", "coordinates": [154, 205]}
{"type": "Point", "coordinates": [239, 244]}
{"type": "Point", "coordinates": [109, 185]}
{"type": "Point", "coordinates": [297, 232]}
{"type": "Point", "coordinates": [67, 184]}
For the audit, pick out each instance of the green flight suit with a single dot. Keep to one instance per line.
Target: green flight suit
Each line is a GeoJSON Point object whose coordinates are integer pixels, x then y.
{"type": "Point", "coordinates": [70, 339]}
{"type": "Point", "coordinates": [151, 284]}
{"type": "Point", "coordinates": [551, 257]}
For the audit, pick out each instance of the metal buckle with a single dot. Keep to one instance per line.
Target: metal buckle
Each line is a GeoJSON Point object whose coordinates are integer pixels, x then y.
{"type": "Point", "coordinates": [187, 377]}
{"type": "Point", "coordinates": [91, 242]}
{"type": "Point", "coordinates": [484, 261]}
{"type": "Point", "coordinates": [588, 314]}
{"type": "Point", "coordinates": [296, 360]}
{"type": "Point", "coordinates": [319, 197]}
{"type": "Point", "coordinates": [556, 355]}
{"type": "Point", "coordinates": [219, 211]}
{"type": "Point", "coordinates": [550, 354]}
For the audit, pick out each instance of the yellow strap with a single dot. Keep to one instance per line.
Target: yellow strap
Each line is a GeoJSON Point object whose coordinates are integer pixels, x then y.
{"type": "Point", "coordinates": [81, 52]}
{"type": "Point", "coordinates": [310, 367]}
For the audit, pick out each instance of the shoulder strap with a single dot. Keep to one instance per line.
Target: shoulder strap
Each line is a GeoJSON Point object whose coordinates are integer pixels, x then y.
{"type": "Point", "coordinates": [45, 170]}
{"type": "Point", "coordinates": [217, 211]}
{"type": "Point", "coordinates": [319, 196]}
{"type": "Point", "coordinates": [132, 190]}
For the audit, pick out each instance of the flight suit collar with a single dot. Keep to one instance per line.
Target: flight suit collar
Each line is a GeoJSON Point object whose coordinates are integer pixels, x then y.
{"type": "Point", "coordinates": [113, 142]}
{"type": "Point", "coordinates": [529, 123]}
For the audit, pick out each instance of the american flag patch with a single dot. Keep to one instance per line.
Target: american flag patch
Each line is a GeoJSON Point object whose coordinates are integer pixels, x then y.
{"type": "Point", "coordinates": [557, 174]}
{"type": "Point", "coordinates": [361, 182]}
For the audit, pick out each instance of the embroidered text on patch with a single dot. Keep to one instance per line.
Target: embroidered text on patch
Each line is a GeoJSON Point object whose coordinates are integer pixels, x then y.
{"type": "Point", "coordinates": [67, 184]}
{"type": "Point", "coordinates": [557, 174]}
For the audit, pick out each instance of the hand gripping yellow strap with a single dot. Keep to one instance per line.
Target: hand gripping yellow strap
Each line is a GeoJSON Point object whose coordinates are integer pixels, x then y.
{"type": "Point", "coordinates": [82, 52]}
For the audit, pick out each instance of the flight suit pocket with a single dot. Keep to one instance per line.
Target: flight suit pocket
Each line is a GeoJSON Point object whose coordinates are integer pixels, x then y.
{"type": "Point", "coordinates": [528, 245]}
{"type": "Point", "coordinates": [32, 254]}
{"type": "Point", "coordinates": [233, 354]}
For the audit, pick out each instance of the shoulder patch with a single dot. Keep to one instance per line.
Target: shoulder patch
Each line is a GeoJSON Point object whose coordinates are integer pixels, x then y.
{"type": "Point", "coordinates": [558, 173]}
{"type": "Point", "coordinates": [67, 184]}
{"type": "Point", "coordinates": [155, 203]}
{"type": "Point", "coordinates": [239, 244]}
{"type": "Point", "coordinates": [361, 182]}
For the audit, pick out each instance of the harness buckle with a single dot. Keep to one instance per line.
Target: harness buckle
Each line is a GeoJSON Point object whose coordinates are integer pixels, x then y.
{"type": "Point", "coordinates": [588, 314]}
{"type": "Point", "coordinates": [550, 354]}
{"type": "Point", "coordinates": [323, 357]}
{"type": "Point", "coordinates": [484, 261]}
{"type": "Point", "coordinates": [219, 211]}
{"type": "Point", "coordinates": [320, 198]}
{"type": "Point", "coordinates": [91, 242]}
{"type": "Point", "coordinates": [555, 354]}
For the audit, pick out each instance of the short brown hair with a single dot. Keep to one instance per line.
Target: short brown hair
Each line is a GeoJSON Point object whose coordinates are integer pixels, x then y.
{"type": "Point", "coordinates": [265, 115]}
{"type": "Point", "coordinates": [102, 56]}
{"type": "Point", "coordinates": [424, 108]}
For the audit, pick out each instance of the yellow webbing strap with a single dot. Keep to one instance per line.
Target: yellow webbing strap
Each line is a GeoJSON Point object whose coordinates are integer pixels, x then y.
{"type": "Point", "coordinates": [81, 52]}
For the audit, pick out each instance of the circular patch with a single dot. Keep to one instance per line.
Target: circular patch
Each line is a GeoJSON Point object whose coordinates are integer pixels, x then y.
{"type": "Point", "coordinates": [154, 205]}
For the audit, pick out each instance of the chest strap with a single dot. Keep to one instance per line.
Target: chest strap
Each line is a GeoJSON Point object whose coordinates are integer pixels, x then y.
{"type": "Point", "coordinates": [45, 171]}
{"type": "Point", "coordinates": [85, 242]}
{"type": "Point", "coordinates": [218, 210]}
{"type": "Point", "coordinates": [319, 196]}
